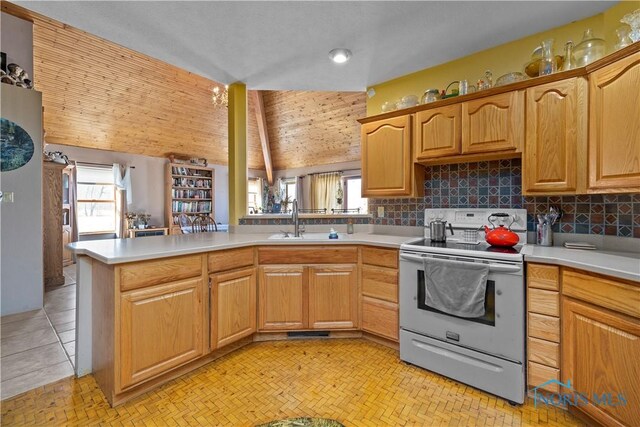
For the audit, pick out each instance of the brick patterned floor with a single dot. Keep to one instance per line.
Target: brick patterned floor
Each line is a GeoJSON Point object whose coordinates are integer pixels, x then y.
{"type": "Point", "coordinates": [354, 381]}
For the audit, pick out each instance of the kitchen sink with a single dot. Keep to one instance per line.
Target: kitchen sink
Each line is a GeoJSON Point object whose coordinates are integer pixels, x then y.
{"type": "Point", "coordinates": [307, 236]}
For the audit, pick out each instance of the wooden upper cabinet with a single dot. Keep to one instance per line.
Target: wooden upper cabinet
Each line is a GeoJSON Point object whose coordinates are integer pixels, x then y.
{"type": "Point", "coordinates": [495, 123]}
{"type": "Point", "coordinates": [387, 162]}
{"type": "Point", "coordinates": [233, 306]}
{"type": "Point", "coordinates": [282, 298]}
{"type": "Point", "coordinates": [614, 127]}
{"type": "Point", "coordinates": [333, 294]}
{"type": "Point", "coordinates": [161, 327]}
{"type": "Point", "coordinates": [438, 132]}
{"type": "Point", "coordinates": [556, 137]}
{"type": "Point", "coordinates": [600, 353]}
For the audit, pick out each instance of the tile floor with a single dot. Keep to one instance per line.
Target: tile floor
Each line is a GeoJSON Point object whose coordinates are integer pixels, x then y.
{"type": "Point", "coordinates": [37, 347]}
{"type": "Point", "coordinates": [353, 381]}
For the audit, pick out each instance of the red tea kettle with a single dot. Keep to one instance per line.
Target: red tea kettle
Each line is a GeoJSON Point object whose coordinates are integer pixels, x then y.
{"type": "Point", "coordinates": [501, 235]}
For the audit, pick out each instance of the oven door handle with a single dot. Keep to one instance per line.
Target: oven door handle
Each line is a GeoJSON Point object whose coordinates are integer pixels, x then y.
{"type": "Point", "coordinates": [500, 268]}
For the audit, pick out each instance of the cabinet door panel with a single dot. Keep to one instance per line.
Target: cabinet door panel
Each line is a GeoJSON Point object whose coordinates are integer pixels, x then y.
{"type": "Point", "coordinates": [495, 123]}
{"type": "Point", "coordinates": [600, 353]}
{"type": "Point", "coordinates": [386, 158]}
{"type": "Point", "coordinates": [614, 128]}
{"type": "Point", "coordinates": [556, 135]}
{"type": "Point", "coordinates": [438, 132]}
{"type": "Point", "coordinates": [332, 297]}
{"type": "Point", "coordinates": [282, 295]}
{"type": "Point", "coordinates": [161, 328]}
{"type": "Point", "coordinates": [233, 305]}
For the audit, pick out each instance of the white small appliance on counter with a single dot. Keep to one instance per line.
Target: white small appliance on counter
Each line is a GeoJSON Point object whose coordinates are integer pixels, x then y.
{"type": "Point", "coordinates": [485, 349]}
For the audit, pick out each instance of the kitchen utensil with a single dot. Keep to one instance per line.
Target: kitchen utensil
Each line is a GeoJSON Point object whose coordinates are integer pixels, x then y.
{"type": "Point", "coordinates": [508, 78]}
{"type": "Point", "coordinates": [438, 230]}
{"type": "Point", "coordinates": [544, 235]}
{"type": "Point", "coordinates": [500, 235]}
{"type": "Point", "coordinates": [430, 95]}
{"type": "Point", "coordinates": [589, 49]}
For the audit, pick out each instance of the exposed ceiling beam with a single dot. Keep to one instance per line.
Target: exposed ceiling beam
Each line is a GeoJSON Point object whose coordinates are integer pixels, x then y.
{"type": "Point", "coordinates": [261, 118]}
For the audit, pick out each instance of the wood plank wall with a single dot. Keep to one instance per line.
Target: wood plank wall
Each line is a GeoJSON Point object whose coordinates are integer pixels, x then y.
{"type": "Point", "coordinates": [313, 128]}
{"type": "Point", "coordinates": [98, 94]}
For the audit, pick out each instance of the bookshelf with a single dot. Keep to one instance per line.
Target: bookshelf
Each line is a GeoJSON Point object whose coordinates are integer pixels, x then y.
{"type": "Point", "coordinates": [190, 190]}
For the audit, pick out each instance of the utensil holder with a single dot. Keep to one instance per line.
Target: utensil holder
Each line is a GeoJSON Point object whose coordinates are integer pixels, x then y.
{"type": "Point", "coordinates": [544, 235]}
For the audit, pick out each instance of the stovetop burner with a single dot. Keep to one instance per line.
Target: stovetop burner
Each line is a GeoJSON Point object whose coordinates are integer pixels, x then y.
{"type": "Point", "coordinates": [457, 245]}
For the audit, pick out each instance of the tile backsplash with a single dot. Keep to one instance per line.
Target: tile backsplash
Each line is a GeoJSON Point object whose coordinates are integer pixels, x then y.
{"type": "Point", "coordinates": [498, 184]}
{"type": "Point", "coordinates": [313, 221]}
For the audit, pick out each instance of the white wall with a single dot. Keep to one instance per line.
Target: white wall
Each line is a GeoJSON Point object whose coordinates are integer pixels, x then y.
{"type": "Point", "coordinates": [148, 180]}
{"type": "Point", "coordinates": [21, 277]}
{"type": "Point", "coordinates": [16, 38]}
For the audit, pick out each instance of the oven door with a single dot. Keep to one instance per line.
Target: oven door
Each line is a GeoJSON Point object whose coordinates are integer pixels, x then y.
{"type": "Point", "coordinates": [499, 332]}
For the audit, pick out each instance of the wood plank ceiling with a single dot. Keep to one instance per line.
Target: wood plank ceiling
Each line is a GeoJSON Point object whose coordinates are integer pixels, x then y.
{"type": "Point", "coordinates": [98, 94]}
{"type": "Point", "coordinates": [313, 128]}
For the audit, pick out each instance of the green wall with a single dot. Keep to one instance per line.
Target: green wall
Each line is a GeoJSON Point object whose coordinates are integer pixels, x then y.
{"type": "Point", "coordinates": [500, 60]}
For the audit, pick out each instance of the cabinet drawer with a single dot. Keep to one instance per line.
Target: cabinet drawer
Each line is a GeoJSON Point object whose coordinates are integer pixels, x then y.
{"type": "Point", "coordinates": [544, 327]}
{"type": "Point", "coordinates": [540, 374]}
{"type": "Point", "coordinates": [543, 277]}
{"type": "Point", "coordinates": [380, 283]}
{"type": "Point", "coordinates": [308, 255]}
{"type": "Point", "coordinates": [544, 302]}
{"type": "Point", "coordinates": [230, 260]}
{"type": "Point", "coordinates": [611, 294]}
{"type": "Point", "coordinates": [544, 352]}
{"type": "Point", "coordinates": [147, 273]}
{"type": "Point", "coordinates": [380, 257]}
{"type": "Point", "coordinates": [380, 318]}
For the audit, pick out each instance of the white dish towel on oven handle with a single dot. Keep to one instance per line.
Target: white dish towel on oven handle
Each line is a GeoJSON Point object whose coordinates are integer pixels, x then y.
{"type": "Point", "coordinates": [456, 287]}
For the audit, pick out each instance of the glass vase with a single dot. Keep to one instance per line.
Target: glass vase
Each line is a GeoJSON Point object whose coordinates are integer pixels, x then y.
{"type": "Point", "coordinates": [633, 20]}
{"type": "Point", "coordinates": [547, 62]}
{"type": "Point", "coordinates": [623, 38]}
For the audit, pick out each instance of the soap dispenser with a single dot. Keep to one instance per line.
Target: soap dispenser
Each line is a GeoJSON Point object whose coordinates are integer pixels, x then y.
{"type": "Point", "coordinates": [350, 226]}
{"type": "Point", "coordinates": [333, 234]}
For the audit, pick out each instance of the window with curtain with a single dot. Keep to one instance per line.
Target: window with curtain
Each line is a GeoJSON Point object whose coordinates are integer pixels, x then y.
{"type": "Point", "coordinates": [290, 189]}
{"type": "Point", "coordinates": [96, 200]}
{"type": "Point", "coordinates": [324, 190]}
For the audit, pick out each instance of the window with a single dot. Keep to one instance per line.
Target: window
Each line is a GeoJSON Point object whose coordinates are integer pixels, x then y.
{"type": "Point", "coordinates": [96, 207]}
{"type": "Point", "coordinates": [289, 189]}
{"type": "Point", "coordinates": [353, 194]}
{"type": "Point", "coordinates": [254, 195]}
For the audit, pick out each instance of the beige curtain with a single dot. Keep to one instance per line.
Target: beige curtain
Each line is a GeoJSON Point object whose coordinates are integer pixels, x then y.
{"type": "Point", "coordinates": [324, 187]}
{"type": "Point", "coordinates": [121, 211]}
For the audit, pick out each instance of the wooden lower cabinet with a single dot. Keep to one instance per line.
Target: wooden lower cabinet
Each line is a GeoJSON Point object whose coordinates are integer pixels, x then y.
{"type": "Point", "coordinates": [600, 353]}
{"type": "Point", "coordinates": [282, 294]}
{"type": "Point", "coordinates": [67, 256]}
{"type": "Point", "coordinates": [233, 306]}
{"type": "Point", "coordinates": [380, 318]}
{"type": "Point", "coordinates": [161, 327]}
{"type": "Point", "coordinates": [333, 293]}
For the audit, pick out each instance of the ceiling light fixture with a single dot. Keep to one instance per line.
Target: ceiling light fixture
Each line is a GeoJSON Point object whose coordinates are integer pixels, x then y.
{"type": "Point", "coordinates": [220, 98]}
{"type": "Point", "coordinates": [340, 55]}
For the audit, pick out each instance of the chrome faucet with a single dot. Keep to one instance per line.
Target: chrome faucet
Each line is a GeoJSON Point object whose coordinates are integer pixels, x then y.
{"type": "Point", "coordinates": [296, 219]}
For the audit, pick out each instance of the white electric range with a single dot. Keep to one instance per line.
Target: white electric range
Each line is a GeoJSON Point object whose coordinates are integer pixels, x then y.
{"type": "Point", "coordinates": [487, 352]}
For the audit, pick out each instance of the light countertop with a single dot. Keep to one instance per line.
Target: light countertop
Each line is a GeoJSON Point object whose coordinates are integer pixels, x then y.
{"type": "Point", "coordinates": [624, 265]}
{"type": "Point", "coordinates": [117, 251]}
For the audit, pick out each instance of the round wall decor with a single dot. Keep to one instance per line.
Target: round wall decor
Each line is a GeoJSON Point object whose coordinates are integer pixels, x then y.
{"type": "Point", "coordinates": [16, 146]}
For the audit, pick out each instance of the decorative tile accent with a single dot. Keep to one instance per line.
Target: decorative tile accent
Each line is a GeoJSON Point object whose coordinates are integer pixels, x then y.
{"type": "Point", "coordinates": [498, 184]}
{"type": "Point", "coordinates": [309, 221]}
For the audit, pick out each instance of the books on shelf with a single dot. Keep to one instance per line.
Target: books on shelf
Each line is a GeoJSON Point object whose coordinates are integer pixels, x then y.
{"type": "Point", "coordinates": [179, 206]}
{"type": "Point", "coordinates": [192, 182]}
{"type": "Point", "coordinates": [190, 194]}
{"type": "Point", "coordinates": [187, 171]}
